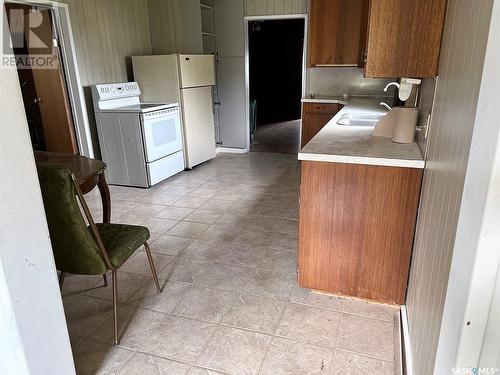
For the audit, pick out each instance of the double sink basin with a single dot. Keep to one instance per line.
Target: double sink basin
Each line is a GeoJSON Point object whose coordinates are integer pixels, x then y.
{"type": "Point", "coordinates": [360, 119]}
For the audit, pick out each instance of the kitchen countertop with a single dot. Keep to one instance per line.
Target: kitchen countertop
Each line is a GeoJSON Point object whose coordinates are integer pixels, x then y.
{"type": "Point", "coordinates": [355, 144]}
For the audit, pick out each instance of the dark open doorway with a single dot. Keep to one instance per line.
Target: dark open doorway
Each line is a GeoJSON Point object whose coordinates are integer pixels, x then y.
{"type": "Point", "coordinates": [276, 49]}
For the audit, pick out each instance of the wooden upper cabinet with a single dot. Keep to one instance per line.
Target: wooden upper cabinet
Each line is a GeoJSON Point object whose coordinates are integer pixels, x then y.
{"type": "Point", "coordinates": [336, 32]}
{"type": "Point", "coordinates": [404, 38]}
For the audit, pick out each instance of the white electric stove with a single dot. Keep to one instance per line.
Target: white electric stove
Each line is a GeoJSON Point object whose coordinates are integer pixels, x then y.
{"type": "Point", "coordinates": [141, 143]}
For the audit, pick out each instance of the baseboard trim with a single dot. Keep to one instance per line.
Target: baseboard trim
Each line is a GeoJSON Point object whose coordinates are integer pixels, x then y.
{"type": "Point", "coordinates": [231, 150]}
{"type": "Point", "coordinates": [407, 360]}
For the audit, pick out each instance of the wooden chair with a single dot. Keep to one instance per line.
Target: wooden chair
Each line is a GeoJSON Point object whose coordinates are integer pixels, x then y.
{"type": "Point", "coordinates": [81, 249]}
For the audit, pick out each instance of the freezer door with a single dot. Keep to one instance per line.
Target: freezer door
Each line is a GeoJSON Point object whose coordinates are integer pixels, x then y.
{"type": "Point", "coordinates": [196, 70]}
{"type": "Point", "coordinates": [198, 121]}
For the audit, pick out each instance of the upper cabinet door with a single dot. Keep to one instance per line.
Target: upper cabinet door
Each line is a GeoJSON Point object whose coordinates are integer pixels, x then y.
{"type": "Point", "coordinates": [229, 28]}
{"type": "Point", "coordinates": [404, 38]}
{"type": "Point", "coordinates": [336, 31]}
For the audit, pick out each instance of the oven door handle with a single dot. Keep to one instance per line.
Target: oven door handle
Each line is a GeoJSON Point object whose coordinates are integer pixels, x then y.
{"type": "Point", "coordinates": [159, 114]}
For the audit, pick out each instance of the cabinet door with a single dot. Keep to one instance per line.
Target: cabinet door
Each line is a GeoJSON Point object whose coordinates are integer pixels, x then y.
{"type": "Point", "coordinates": [231, 93]}
{"type": "Point", "coordinates": [404, 38]}
{"type": "Point", "coordinates": [229, 28]}
{"type": "Point", "coordinates": [356, 229]}
{"type": "Point", "coordinates": [230, 37]}
{"type": "Point", "coordinates": [314, 117]}
{"type": "Point", "coordinates": [188, 22]}
{"type": "Point", "coordinates": [312, 123]}
{"type": "Point", "coordinates": [122, 148]}
{"type": "Point", "coordinates": [335, 32]}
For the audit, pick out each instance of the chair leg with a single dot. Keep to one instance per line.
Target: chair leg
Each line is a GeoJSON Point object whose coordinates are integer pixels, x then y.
{"type": "Point", "coordinates": [61, 280]}
{"type": "Point", "coordinates": [115, 306]}
{"type": "Point", "coordinates": [152, 265]}
{"type": "Point", "coordinates": [105, 278]}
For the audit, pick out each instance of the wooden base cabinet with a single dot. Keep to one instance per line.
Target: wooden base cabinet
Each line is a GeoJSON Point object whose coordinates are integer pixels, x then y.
{"type": "Point", "coordinates": [314, 117]}
{"type": "Point", "coordinates": [356, 229]}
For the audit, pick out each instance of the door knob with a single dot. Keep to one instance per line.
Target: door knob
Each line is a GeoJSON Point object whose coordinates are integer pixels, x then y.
{"type": "Point", "coordinates": [37, 100]}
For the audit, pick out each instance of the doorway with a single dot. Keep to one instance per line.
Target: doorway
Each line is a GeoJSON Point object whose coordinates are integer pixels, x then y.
{"type": "Point", "coordinates": [276, 68]}
{"type": "Point", "coordinates": [42, 78]}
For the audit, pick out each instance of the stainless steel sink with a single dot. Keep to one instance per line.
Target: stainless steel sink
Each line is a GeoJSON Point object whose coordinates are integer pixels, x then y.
{"type": "Point", "coordinates": [360, 119]}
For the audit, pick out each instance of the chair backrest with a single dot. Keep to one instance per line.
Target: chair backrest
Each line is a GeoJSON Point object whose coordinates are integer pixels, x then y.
{"type": "Point", "coordinates": [75, 249]}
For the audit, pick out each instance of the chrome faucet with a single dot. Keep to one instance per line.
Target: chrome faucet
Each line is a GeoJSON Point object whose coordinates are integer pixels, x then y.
{"type": "Point", "coordinates": [386, 106]}
{"type": "Point", "coordinates": [392, 84]}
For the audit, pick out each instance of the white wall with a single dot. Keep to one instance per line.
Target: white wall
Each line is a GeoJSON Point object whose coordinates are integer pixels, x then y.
{"type": "Point", "coordinates": [12, 356]}
{"type": "Point", "coordinates": [460, 75]}
{"type": "Point", "coordinates": [33, 333]}
{"type": "Point", "coordinates": [490, 352]}
{"type": "Point", "coordinates": [476, 255]}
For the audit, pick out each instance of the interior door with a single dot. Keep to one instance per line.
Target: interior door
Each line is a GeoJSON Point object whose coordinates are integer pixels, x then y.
{"type": "Point", "coordinates": [50, 87]}
{"type": "Point", "coordinates": [52, 99]}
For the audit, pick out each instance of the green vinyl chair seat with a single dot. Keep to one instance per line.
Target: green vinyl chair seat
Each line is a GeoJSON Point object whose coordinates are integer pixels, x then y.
{"type": "Point", "coordinates": [121, 240]}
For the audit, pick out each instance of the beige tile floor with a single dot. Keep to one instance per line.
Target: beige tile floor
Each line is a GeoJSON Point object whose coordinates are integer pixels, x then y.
{"type": "Point", "coordinates": [224, 237]}
{"type": "Point", "coordinates": [278, 137]}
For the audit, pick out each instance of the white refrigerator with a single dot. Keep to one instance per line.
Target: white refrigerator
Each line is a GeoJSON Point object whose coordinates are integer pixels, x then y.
{"type": "Point", "coordinates": [188, 80]}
